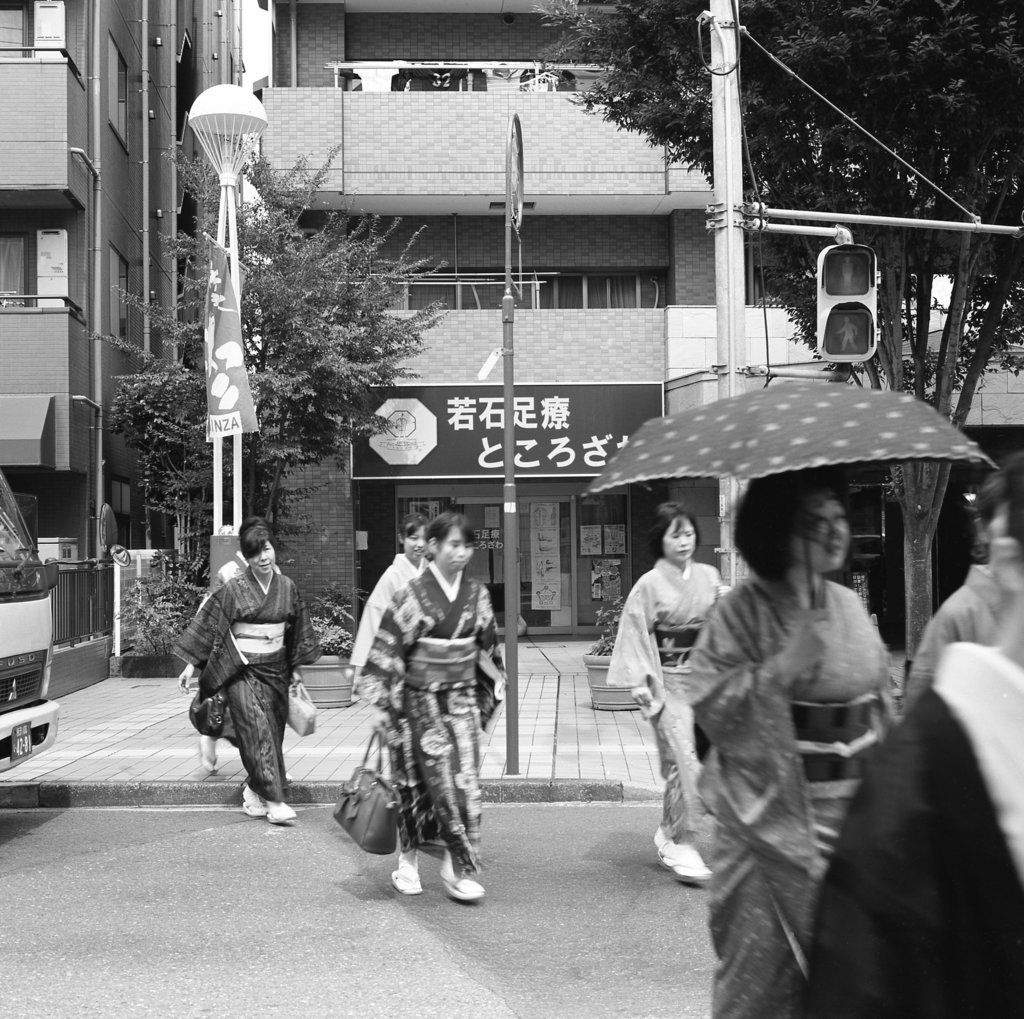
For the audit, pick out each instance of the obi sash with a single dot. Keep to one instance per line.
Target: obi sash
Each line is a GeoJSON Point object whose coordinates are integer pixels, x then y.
{"type": "Point", "coordinates": [675, 643]}
{"type": "Point", "coordinates": [832, 737]}
{"type": "Point", "coordinates": [437, 664]}
{"type": "Point", "coordinates": [258, 638]}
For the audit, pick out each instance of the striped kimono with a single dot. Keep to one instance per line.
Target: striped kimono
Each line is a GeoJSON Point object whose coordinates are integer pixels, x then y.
{"type": "Point", "coordinates": [258, 695]}
{"type": "Point", "coordinates": [777, 796]}
{"type": "Point", "coordinates": [434, 721]}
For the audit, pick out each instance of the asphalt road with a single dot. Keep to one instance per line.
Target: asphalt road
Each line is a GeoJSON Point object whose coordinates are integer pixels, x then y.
{"type": "Point", "coordinates": [199, 912]}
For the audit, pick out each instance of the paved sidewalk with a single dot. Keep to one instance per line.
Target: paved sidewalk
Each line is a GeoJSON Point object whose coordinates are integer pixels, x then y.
{"type": "Point", "coordinates": [129, 741]}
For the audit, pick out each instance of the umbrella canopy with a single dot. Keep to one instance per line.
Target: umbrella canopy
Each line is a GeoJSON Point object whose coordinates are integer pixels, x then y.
{"type": "Point", "coordinates": [788, 428]}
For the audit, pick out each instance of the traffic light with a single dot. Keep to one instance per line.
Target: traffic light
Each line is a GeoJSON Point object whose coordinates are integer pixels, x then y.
{"type": "Point", "coordinates": [847, 303]}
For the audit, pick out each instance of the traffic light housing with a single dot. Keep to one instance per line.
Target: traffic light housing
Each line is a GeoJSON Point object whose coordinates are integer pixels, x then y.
{"type": "Point", "coordinates": [847, 303]}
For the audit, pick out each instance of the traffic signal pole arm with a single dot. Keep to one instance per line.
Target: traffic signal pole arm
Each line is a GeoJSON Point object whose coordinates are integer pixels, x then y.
{"type": "Point", "coordinates": [759, 216]}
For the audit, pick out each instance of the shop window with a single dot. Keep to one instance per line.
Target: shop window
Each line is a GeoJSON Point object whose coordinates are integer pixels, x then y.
{"type": "Point", "coordinates": [12, 270]}
{"type": "Point", "coordinates": [603, 573]}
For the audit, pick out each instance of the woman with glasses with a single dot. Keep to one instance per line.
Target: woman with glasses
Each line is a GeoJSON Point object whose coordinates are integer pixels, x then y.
{"type": "Point", "coordinates": [790, 683]}
{"type": "Point", "coordinates": [660, 621]}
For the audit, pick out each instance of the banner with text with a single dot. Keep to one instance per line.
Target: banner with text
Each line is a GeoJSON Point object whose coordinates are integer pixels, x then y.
{"type": "Point", "coordinates": [229, 407]}
{"type": "Point", "coordinates": [458, 431]}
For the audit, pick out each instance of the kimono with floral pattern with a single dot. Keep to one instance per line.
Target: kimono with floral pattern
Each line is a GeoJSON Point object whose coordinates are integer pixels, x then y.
{"type": "Point", "coordinates": [433, 735]}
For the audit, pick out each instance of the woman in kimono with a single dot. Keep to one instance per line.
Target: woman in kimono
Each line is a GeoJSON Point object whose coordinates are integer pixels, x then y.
{"type": "Point", "coordinates": [422, 674]}
{"type": "Point", "coordinates": [660, 621]}
{"type": "Point", "coordinates": [921, 915]}
{"type": "Point", "coordinates": [790, 683]}
{"type": "Point", "coordinates": [260, 613]}
{"type": "Point", "coordinates": [407, 564]}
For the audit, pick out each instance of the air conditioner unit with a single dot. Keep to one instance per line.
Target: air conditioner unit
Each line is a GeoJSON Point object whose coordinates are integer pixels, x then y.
{"type": "Point", "coordinates": [51, 267]}
{"type": "Point", "coordinates": [50, 25]}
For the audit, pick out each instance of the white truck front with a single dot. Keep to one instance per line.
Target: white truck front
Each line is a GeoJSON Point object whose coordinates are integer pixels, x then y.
{"type": "Point", "coordinates": [28, 721]}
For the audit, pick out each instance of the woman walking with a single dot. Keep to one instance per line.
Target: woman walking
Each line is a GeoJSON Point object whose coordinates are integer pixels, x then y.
{"type": "Point", "coordinates": [261, 612]}
{"type": "Point", "coordinates": [407, 564]}
{"type": "Point", "coordinates": [788, 667]}
{"type": "Point", "coordinates": [422, 674]}
{"type": "Point", "coordinates": [660, 621]}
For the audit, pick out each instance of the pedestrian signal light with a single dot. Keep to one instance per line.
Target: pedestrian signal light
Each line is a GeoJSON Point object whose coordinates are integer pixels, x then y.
{"type": "Point", "coordinates": [847, 303]}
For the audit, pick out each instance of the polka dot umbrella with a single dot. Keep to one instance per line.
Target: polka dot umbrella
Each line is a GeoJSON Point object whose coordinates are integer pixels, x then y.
{"type": "Point", "coordinates": [788, 428]}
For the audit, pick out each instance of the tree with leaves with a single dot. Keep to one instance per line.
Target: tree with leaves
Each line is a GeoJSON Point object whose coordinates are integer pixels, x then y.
{"type": "Point", "coordinates": [939, 82]}
{"type": "Point", "coordinates": [319, 335]}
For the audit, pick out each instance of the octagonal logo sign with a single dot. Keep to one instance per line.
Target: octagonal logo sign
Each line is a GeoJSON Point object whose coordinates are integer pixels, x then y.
{"type": "Point", "coordinates": [411, 432]}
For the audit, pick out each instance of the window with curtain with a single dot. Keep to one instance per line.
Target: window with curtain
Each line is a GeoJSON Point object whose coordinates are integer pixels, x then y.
{"type": "Point", "coordinates": [12, 26]}
{"type": "Point", "coordinates": [12, 269]}
{"type": "Point", "coordinates": [117, 91]}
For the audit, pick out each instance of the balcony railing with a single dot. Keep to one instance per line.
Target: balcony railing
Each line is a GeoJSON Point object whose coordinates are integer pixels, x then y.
{"type": "Point", "coordinates": [38, 53]}
{"type": "Point", "coordinates": [461, 75]}
{"type": "Point", "coordinates": [15, 302]}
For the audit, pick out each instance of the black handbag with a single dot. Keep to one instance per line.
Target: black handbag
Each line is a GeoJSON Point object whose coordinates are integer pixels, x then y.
{"type": "Point", "coordinates": [208, 709]}
{"type": "Point", "coordinates": [207, 714]}
{"type": "Point", "coordinates": [368, 806]}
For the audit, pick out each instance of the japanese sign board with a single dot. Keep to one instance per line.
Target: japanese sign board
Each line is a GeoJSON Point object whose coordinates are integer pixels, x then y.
{"type": "Point", "coordinates": [561, 431]}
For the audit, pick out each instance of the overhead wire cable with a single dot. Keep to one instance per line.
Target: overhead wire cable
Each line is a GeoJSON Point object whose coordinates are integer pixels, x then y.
{"type": "Point", "coordinates": [828, 102]}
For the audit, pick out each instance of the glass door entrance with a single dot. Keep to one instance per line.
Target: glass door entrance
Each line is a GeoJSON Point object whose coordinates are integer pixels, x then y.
{"type": "Point", "coordinates": [574, 558]}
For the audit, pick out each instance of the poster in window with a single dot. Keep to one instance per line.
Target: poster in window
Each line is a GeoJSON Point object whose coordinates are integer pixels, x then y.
{"type": "Point", "coordinates": [544, 514]}
{"type": "Point", "coordinates": [614, 539]}
{"type": "Point", "coordinates": [590, 539]}
{"type": "Point", "coordinates": [492, 516]}
{"type": "Point", "coordinates": [611, 579]}
{"type": "Point", "coordinates": [544, 541]}
{"type": "Point", "coordinates": [547, 595]}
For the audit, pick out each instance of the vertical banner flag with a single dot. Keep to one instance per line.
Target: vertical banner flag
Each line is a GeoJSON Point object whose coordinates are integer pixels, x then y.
{"type": "Point", "coordinates": [229, 404]}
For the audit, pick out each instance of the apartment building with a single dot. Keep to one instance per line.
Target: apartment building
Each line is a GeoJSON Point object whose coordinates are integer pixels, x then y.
{"type": "Point", "coordinates": [615, 322]}
{"type": "Point", "coordinates": [96, 97]}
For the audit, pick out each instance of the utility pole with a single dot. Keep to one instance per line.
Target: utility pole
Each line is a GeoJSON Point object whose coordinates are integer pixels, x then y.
{"type": "Point", "coordinates": [726, 222]}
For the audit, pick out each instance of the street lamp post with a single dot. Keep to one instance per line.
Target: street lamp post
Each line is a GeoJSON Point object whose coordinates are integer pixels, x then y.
{"type": "Point", "coordinates": [513, 221]}
{"type": "Point", "coordinates": [228, 122]}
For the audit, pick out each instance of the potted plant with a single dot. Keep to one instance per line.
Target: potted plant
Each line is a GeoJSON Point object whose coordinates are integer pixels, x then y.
{"type": "Point", "coordinates": [329, 680]}
{"type": "Point", "coordinates": [155, 611]}
{"type": "Point", "coordinates": [597, 659]}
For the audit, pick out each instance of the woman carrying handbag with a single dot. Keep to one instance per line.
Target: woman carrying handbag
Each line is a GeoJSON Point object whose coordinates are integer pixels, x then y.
{"type": "Point", "coordinates": [261, 613]}
{"type": "Point", "coordinates": [422, 674]}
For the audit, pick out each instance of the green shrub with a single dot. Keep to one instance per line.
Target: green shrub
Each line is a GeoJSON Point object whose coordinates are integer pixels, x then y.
{"type": "Point", "coordinates": [331, 615]}
{"type": "Point", "coordinates": [159, 607]}
{"type": "Point", "coordinates": [608, 626]}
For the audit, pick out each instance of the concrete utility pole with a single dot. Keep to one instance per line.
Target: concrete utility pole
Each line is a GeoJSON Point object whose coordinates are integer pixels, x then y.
{"type": "Point", "coordinates": [726, 222]}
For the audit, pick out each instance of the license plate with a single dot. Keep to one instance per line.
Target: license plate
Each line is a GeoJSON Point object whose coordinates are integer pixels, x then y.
{"type": "Point", "coordinates": [21, 741]}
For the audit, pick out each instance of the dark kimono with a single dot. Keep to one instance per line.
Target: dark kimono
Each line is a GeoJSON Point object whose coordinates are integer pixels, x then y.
{"type": "Point", "coordinates": [922, 910]}
{"type": "Point", "coordinates": [257, 692]}
{"type": "Point", "coordinates": [434, 718]}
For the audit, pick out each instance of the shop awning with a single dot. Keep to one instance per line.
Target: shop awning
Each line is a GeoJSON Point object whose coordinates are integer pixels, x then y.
{"type": "Point", "coordinates": [26, 431]}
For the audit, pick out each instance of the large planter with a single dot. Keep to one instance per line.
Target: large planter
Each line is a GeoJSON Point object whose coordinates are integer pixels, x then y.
{"type": "Point", "coordinates": [603, 696]}
{"type": "Point", "coordinates": [146, 666]}
{"type": "Point", "coordinates": [329, 681]}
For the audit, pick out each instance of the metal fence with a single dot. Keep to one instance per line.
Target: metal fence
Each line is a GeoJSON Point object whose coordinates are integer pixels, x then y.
{"type": "Point", "coordinates": [83, 602]}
